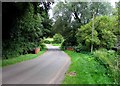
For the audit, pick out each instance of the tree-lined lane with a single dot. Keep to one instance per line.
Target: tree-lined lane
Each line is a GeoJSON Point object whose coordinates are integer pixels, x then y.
{"type": "Point", "coordinates": [49, 68]}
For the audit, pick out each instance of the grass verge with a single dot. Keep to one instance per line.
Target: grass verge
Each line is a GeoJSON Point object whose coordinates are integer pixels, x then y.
{"type": "Point", "coordinates": [20, 58]}
{"type": "Point", "coordinates": [87, 69]}
{"type": "Point", "coordinates": [56, 44]}
{"type": "Point", "coordinates": [50, 39]}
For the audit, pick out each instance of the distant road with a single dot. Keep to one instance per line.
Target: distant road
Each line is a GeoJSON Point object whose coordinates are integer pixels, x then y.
{"type": "Point", "coordinates": [48, 68]}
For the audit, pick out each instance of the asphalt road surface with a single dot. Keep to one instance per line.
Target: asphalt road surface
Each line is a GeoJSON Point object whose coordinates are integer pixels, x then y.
{"type": "Point", "coordinates": [49, 68]}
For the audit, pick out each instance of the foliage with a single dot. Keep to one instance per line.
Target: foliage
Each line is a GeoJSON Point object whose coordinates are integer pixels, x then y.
{"type": "Point", "coordinates": [87, 69]}
{"type": "Point", "coordinates": [71, 15]}
{"type": "Point", "coordinates": [109, 60]}
{"type": "Point", "coordinates": [103, 33]}
{"type": "Point", "coordinates": [25, 28]}
{"type": "Point", "coordinates": [118, 27]}
{"type": "Point", "coordinates": [20, 58]}
{"type": "Point", "coordinates": [58, 39]}
{"type": "Point", "coordinates": [42, 45]}
{"type": "Point", "coordinates": [47, 41]}
{"type": "Point", "coordinates": [107, 57]}
{"type": "Point", "coordinates": [80, 48]}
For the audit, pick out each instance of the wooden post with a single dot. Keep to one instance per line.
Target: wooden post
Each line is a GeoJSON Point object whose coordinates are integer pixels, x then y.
{"type": "Point", "coordinates": [92, 33]}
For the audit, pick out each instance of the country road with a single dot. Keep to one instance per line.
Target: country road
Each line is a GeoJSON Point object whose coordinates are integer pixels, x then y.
{"type": "Point", "coordinates": [49, 68]}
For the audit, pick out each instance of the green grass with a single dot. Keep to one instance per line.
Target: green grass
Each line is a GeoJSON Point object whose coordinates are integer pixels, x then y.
{"type": "Point", "coordinates": [20, 58]}
{"type": "Point", "coordinates": [56, 44]}
{"type": "Point", "coordinates": [88, 70]}
{"type": "Point", "coordinates": [50, 39]}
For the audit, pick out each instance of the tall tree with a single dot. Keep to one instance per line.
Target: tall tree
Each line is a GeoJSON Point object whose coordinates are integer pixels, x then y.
{"type": "Point", "coordinates": [72, 15]}
{"type": "Point", "coordinates": [24, 27]}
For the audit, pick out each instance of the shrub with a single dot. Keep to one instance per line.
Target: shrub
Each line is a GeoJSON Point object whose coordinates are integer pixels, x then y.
{"type": "Point", "coordinates": [42, 46]}
{"type": "Point", "coordinates": [24, 33]}
{"type": "Point", "coordinates": [62, 47]}
{"type": "Point", "coordinates": [108, 58]}
{"type": "Point", "coordinates": [57, 38]}
{"type": "Point", "coordinates": [103, 34]}
{"type": "Point", "coordinates": [77, 48]}
{"type": "Point", "coordinates": [80, 47]}
{"type": "Point", "coordinates": [69, 42]}
{"type": "Point", "coordinates": [47, 41]}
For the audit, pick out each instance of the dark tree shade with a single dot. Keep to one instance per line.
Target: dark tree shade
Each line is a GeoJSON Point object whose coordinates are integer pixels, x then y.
{"type": "Point", "coordinates": [24, 25]}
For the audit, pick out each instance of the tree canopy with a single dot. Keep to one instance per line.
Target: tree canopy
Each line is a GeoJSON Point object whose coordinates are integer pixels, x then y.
{"type": "Point", "coordinates": [70, 16]}
{"type": "Point", "coordinates": [24, 27]}
{"type": "Point", "coordinates": [103, 36]}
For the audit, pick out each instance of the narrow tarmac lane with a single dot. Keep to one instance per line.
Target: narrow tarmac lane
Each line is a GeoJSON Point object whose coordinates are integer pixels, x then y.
{"type": "Point", "coordinates": [48, 68]}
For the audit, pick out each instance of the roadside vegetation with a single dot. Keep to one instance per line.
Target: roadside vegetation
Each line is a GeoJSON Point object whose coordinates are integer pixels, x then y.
{"type": "Point", "coordinates": [91, 38]}
{"type": "Point", "coordinates": [87, 31]}
{"type": "Point", "coordinates": [57, 40]}
{"type": "Point", "coordinates": [21, 58]}
{"type": "Point", "coordinates": [87, 68]}
{"type": "Point", "coordinates": [23, 30]}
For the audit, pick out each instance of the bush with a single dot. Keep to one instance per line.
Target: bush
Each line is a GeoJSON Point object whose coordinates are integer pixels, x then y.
{"type": "Point", "coordinates": [42, 46]}
{"type": "Point", "coordinates": [47, 41]}
{"type": "Point", "coordinates": [24, 33]}
{"type": "Point", "coordinates": [77, 48]}
{"type": "Point", "coordinates": [103, 34]}
{"type": "Point", "coordinates": [69, 41]}
{"type": "Point", "coordinates": [80, 47]}
{"type": "Point", "coordinates": [108, 58]}
{"type": "Point", "coordinates": [58, 39]}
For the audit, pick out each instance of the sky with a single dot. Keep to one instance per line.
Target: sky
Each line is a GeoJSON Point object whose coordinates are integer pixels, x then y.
{"type": "Point", "coordinates": [113, 2]}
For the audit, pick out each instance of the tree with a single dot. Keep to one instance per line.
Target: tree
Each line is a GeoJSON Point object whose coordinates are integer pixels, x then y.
{"type": "Point", "coordinates": [118, 19]}
{"type": "Point", "coordinates": [103, 34]}
{"type": "Point", "coordinates": [71, 15]}
{"type": "Point", "coordinates": [57, 38]}
{"type": "Point", "coordinates": [24, 27]}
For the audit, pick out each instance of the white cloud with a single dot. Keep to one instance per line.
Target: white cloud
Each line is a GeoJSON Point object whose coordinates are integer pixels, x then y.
{"type": "Point", "coordinates": [113, 2]}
